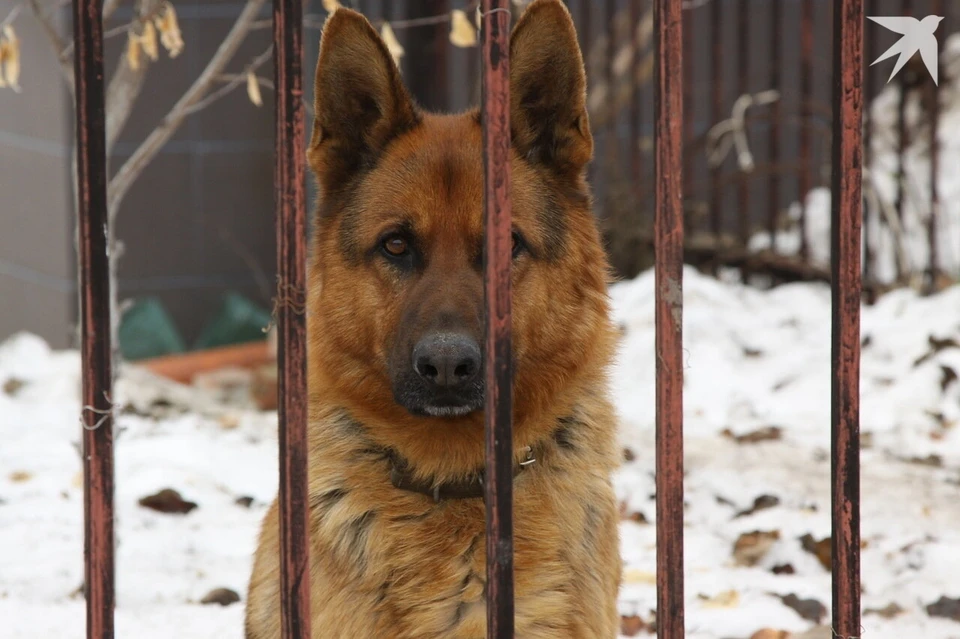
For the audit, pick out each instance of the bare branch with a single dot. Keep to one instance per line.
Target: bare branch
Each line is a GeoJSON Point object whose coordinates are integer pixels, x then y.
{"type": "Point", "coordinates": [66, 67]}
{"type": "Point", "coordinates": [127, 82]}
{"type": "Point", "coordinates": [109, 6]}
{"type": "Point", "coordinates": [132, 168]}
{"type": "Point", "coordinates": [13, 14]}
{"type": "Point", "coordinates": [233, 82]}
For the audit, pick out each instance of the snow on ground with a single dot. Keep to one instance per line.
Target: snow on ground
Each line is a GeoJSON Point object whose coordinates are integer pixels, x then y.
{"type": "Point", "coordinates": [909, 245]}
{"type": "Point", "coordinates": [755, 359]}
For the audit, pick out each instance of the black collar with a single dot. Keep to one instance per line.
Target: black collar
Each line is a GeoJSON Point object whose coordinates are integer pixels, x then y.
{"type": "Point", "coordinates": [470, 487]}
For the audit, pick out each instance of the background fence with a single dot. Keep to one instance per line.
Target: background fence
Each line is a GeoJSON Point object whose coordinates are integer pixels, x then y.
{"type": "Point", "coordinates": [671, 94]}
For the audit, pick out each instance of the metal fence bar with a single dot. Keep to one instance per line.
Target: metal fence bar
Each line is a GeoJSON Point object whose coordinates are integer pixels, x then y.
{"type": "Point", "coordinates": [636, 128]}
{"type": "Point", "coordinates": [668, 249]}
{"type": "Point", "coordinates": [498, 408]}
{"type": "Point", "coordinates": [776, 62]}
{"type": "Point", "coordinates": [847, 211]}
{"type": "Point", "coordinates": [96, 348]}
{"type": "Point", "coordinates": [716, 114]}
{"type": "Point", "coordinates": [806, 112]}
{"type": "Point", "coordinates": [743, 88]}
{"type": "Point", "coordinates": [933, 262]}
{"type": "Point", "coordinates": [868, 90]}
{"type": "Point", "coordinates": [291, 318]}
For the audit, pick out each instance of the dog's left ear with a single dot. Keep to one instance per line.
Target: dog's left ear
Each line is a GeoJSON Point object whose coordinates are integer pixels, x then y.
{"type": "Point", "coordinates": [548, 90]}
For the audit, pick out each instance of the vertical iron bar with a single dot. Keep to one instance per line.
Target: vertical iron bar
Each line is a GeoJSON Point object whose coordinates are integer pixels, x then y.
{"type": "Point", "coordinates": [903, 137]}
{"type": "Point", "coordinates": [716, 114]}
{"type": "Point", "coordinates": [847, 171]}
{"type": "Point", "coordinates": [636, 131]}
{"type": "Point", "coordinates": [688, 101]}
{"type": "Point", "coordinates": [933, 266]}
{"type": "Point", "coordinates": [773, 202]}
{"type": "Point", "coordinates": [291, 318]}
{"type": "Point", "coordinates": [668, 234]}
{"type": "Point", "coordinates": [743, 73]}
{"type": "Point", "coordinates": [806, 112]}
{"type": "Point", "coordinates": [610, 146]}
{"type": "Point", "coordinates": [498, 408]}
{"type": "Point", "coordinates": [96, 348]}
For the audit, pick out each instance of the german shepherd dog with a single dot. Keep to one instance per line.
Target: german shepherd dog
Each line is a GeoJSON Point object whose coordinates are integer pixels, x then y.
{"type": "Point", "coordinates": [395, 324]}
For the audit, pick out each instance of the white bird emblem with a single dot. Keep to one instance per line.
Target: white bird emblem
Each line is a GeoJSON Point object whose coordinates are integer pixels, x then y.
{"type": "Point", "coordinates": [918, 35]}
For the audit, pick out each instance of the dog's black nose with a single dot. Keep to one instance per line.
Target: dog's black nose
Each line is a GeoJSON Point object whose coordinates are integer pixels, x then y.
{"type": "Point", "coordinates": [447, 360]}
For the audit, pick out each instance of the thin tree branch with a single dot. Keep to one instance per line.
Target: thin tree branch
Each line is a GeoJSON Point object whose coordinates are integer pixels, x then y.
{"type": "Point", "coordinates": [66, 66]}
{"type": "Point", "coordinates": [233, 81]}
{"type": "Point", "coordinates": [13, 14]}
{"type": "Point", "coordinates": [149, 148]}
{"type": "Point", "coordinates": [109, 6]}
{"type": "Point", "coordinates": [127, 83]}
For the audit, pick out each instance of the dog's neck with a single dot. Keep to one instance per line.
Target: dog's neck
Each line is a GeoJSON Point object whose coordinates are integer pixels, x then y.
{"type": "Point", "coordinates": [469, 487]}
{"type": "Point", "coordinates": [404, 475]}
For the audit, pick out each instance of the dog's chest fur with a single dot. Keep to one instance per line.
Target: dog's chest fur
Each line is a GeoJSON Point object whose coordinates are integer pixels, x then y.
{"type": "Point", "coordinates": [418, 567]}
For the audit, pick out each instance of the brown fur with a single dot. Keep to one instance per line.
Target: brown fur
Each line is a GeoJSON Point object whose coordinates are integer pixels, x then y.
{"type": "Point", "coordinates": [392, 563]}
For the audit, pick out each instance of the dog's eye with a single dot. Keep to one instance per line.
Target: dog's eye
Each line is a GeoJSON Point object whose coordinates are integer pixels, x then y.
{"type": "Point", "coordinates": [518, 244]}
{"type": "Point", "coordinates": [395, 246]}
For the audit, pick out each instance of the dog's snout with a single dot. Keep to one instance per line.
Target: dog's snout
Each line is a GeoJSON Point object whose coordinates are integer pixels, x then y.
{"type": "Point", "coordinates": [447, 360]}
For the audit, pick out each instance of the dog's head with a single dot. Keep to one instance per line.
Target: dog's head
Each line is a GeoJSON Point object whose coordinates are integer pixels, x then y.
{"type": "Point", "coordinates": [398, 253]}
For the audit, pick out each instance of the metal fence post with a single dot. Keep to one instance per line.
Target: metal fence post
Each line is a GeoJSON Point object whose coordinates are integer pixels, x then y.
{"type": "Point", "coordinates": [96, 349]}
{"type": "Point", "coordinates": [291, 318]}
{"type": "Point", "coordinates": [668, 232]}
{"type": "Point", "coordinates": [847, 167]}
{"type": "Point", "coordinates": [498, 487]}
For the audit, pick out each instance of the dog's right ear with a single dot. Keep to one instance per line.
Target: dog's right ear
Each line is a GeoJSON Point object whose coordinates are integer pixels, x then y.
{"type": "Point", "coordinates": [360, 101]}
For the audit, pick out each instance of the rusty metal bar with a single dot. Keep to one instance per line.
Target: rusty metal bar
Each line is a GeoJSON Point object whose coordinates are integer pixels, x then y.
{"type": "Point", "coordinates": [933, 263]}
{"type": "Point", "coordinates": [716, 114]}
{"type": "Point", "coordinates": [668, 249]}
{"type": "Point", "coordinates": [290, 205]}
{"type": "Point", "coordinates": [96, 349]}
{"type": "Point", "coordinates": [498, 408]}
{"type": "Point", "coordinates": [743, 88]}
{"type": "Point", "coordinates": [847, 168]}
{"type": "Point", "coordinates": [806, 97]}
{"type": "Point", "coordinates": [776, 61]}
{"type": "Point", "coordinates": [688, 102]}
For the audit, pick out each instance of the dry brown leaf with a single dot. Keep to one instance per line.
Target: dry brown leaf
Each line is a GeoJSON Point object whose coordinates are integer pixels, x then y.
{"type": "Point", "coordinates": [253, 88]}
{"type": "Point", "coordinates": [809, 609]}
{"type": "Point", "coordinates": [751, 547]}
{"type": "Point", "coordinates": [133, 51]}
{"type": "Point", "coordinates": [167, 501]}
{"type": "Point", "coordinates": [149, 41]}
{"type": "Point", "coordinates": [889, 611]}
{"type": "Point", "coordinates": [10, 72]}
{"type": "Point", "coordinates": [393, 45]}
{"type": "Point", "coordinates": [634, 576]}
{"type": "Point", "coordinates": [222, 596]}
{"type": "Point", "coordinates": [822, 549]}
{"type": "Point", "coordinates": [766, 434]}
{"type": "Point", "coordinates": [945, 608]}
{"type": "Point", "coordinates": [20, 476]}
{"type": "Point", "coordinates": [330, 5]}
{"type": "Point", "coordinates": [169, 28]}
{"type": "Point", "coordinates": [725, 599]}
{"type": "Point", "coordinates": [632, 626]}
{"type": "Point", "coordinates": [462, 33]}
{"type": "Point", "coordinates": [3, 57]}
